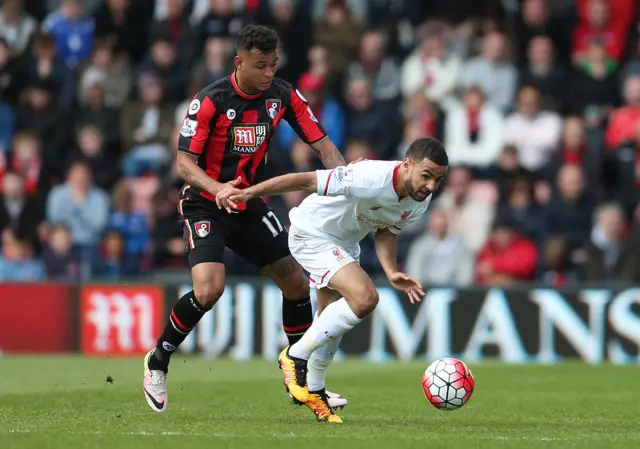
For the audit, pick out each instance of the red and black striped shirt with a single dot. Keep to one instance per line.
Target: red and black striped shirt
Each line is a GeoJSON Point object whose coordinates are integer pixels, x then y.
{"type": "Point", "coordinates": [230, 131]}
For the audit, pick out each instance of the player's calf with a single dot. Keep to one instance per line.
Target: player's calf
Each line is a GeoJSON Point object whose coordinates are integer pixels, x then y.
{"type": "Point", "coordinates": [184, 316]}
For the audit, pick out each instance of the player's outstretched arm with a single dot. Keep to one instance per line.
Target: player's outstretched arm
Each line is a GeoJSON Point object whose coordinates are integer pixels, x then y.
{"type": "Point", "coordinates": [387, 250]}
{"type": "Point", "coordinates": [328, 153]}
{"type": "Point", "coordinates": [193, 175]}
{"type": "Point", "coordinates": [281, 184]}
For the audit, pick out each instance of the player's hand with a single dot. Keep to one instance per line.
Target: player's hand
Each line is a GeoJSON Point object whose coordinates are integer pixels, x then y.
{"type": "Point", "coordinates": [407, 284]}
{"type": "Point", "coordinates": [242, 197]}
{"type": "Point", "coordinates": [228, 190]}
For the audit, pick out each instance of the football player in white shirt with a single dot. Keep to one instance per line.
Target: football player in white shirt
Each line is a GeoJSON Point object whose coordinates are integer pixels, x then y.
{"type": "Point", "coordinates": [347, 204]}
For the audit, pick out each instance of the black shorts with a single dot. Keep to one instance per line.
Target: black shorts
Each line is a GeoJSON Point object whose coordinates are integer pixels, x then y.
{"type": "Point", "coordinates": [255, 234]}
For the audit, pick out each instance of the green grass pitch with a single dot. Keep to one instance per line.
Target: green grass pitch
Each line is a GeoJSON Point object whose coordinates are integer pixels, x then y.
{"type": "Point", "coordinates": [67, 403]}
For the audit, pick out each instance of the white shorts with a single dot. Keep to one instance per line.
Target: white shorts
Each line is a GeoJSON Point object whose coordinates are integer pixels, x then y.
{"type": "Point", "coordinates": [321, 258]}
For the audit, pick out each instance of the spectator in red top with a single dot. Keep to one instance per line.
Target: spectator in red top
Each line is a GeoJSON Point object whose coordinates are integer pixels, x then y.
{"type": "Point", "coordinates": [622, 11]}
{"type": "Point", "coordinates": [624, 121]}
{"type": "Point", "coordinates": [508, 257]}
{"type": "Point", "coordinates": [599, 26]}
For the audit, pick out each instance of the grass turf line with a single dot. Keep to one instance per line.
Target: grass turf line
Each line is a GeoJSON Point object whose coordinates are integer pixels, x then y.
{"type": "Point", "coordinates": [67, 403]}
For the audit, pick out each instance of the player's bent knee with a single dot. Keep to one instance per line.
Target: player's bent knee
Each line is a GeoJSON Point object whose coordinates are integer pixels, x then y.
{"type": "Point", "coordinates": [297, 288]}
{"type": "Point", "coordinates": [364, 300]}
{"type": "Point", "coordinates": [208, 293]}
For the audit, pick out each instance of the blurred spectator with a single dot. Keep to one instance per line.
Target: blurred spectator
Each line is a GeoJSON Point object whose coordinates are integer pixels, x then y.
{"type": "Point", "coordinates": [20, 213]}
{"type": "Point", "coordinates": [508, 257]}
{"type": "Point", "coordinates": [132, 224]}
{"type": "Point", "coordinates": [112, 261]}
{"type": "Point", "coordinates": [339, 33]}
{"type": "Point", "coordinates": [145, 127]}
{"type": "Point", "coordinates": [631, 67]}
{"type": "Point", "coordinates": [223, 20]}
{"type": "Point", "coordinates": [324, 106]}
{"type": "Point", "coordinates": [124, 24]}
{"type": "Point", "coordinates": [10, 85]}
{"type": "Point", "coordinates": [593, 89]}
{"type": "Point", "coordinates": [521, 207]}
{"type": "Point", "coordinates": [169, 249]}
{"type": "Point", "coordinates": [108, 70]}
{"type": "Point", "coordinates": [292, 22]}
{"type": "Point", "coordinates": [611, 257]}
{"type": "Point", "coordinates": [357, 8]}
{"type": "Point", "coordinates": [26, 161]}
{"type": "Point", "coordinates": [599, 27]}
{"type": "Point", "coordinates": [438, 258]}
{"type": "Point", "coordinates": [535, 133]}
{"type": "Point", "coordinates": [506, 170]}
{"type": "Point", "coordinates": [358, 149]}
{"type": "Point", "coordinates": [16, 26]}
{"type": "Point", "coordinates": [72, 30]}
{"type": "Point", "coordinates": [431, 119]}
{"type": "Point", "coordinates": [623, 123]}
{"type": "Point", "coordinates": [569, 213]}
{"type": "Point", "coordinates": [81, 206]}
{"type": "Point", "coordinates": [573, 144]}
{"type": "Point", "coordinates": [175, 28]}
{"type": "Point", "coordinates": [17, 262]}
{"type": "Point", "coordinates": [302, 156]}
{"type": "Point", "coordinates": [537, 22]}
{"type": "Point", "coordinates": [94, 152]}
{"type": "Point", "coordinates": [59, 258]}
{"type": "Point", "coordinates": [473, 131]}
{"type": "Point", "coordinates": [376, 122]}
{"type": "Point", "coordinates": [543, 72]}
{"type": "Point", "coordinates": [622, 173]}
{"type": "Point", "coordinates": [320, 65]}
{"type": "Point", "coordinates": [163, 60]}
{"type": "Point", "coordinates": [462, 208]}
{"type": "Point", "coordinates": [492, 72]}
{"type": "Point", "coordinates": [38, 113]}
{"type": "Point", "coordinates": [94, 110]}
{"type": "Point", "coordinates": [431, 70]}
{"type": "Point", "coordinates": [44, 65]}
{"type": "Point", "coordinates": [374, 64]}
{"type": "Point", "coordinates": [556, 269]}
{"type": "Point", "coordinates": [216, 64]}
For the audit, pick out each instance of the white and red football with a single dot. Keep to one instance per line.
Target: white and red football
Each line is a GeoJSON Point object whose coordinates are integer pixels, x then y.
{"type": "Point", "coordinates": [448, 383]}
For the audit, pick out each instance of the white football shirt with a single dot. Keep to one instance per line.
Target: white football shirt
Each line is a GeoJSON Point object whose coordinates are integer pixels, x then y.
{"type": "Point", "coordinates": [355, 200]}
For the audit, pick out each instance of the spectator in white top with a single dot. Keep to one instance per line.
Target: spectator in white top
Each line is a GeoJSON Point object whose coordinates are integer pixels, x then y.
{"type": "Point", "coordinates": [439, 258]}
{"type": "Point", "coordinates": [473, 131]}
{"type": "Point", "coordinates": [535, 133]}
{"type": "Point", "coordinates": [432, 70]}
{"type": "Point", "coordinates": [470, 218]}
{"type": "Point", "coordinates": [493, 72]}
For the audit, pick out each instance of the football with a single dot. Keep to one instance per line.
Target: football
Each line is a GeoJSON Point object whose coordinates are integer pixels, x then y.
{"type": "Point", "coordinates": [448, 383]}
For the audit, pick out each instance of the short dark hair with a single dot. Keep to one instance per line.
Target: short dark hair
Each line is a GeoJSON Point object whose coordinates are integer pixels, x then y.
{"type": "Point", "coordinates": [428, 148]}
{"type": "Point", "coordinates": [257, 37]}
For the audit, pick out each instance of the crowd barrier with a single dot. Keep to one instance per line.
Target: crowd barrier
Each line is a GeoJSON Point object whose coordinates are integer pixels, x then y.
{"type": "Point", "coordinates": [511, 325]}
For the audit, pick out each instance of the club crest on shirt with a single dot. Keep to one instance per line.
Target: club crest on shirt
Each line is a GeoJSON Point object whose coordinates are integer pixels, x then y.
{"type": "Point", "coordinates": [202, 228]}
{"type": "Point", "coordinates": [273, 107]}
{"type": "Point", "coordinates": [405, 215]}
{"type": "Point", "coordinates": [246, 139]}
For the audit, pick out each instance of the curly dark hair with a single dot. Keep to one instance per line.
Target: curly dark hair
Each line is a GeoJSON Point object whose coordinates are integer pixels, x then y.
{"type": "Point", "coordinates": [257, 37]}
{"type": "Point", "coordinates": [428, 148]}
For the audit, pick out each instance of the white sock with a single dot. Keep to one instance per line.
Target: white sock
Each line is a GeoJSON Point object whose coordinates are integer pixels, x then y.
{"type": "Point", "coordinates": [336, 320]}
{"type": "Point", "coordinates": [319, 363]}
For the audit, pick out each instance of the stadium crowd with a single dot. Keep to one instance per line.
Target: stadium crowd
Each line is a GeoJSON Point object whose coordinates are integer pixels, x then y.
{"type": "Point", "coordinates": [537, 103]}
